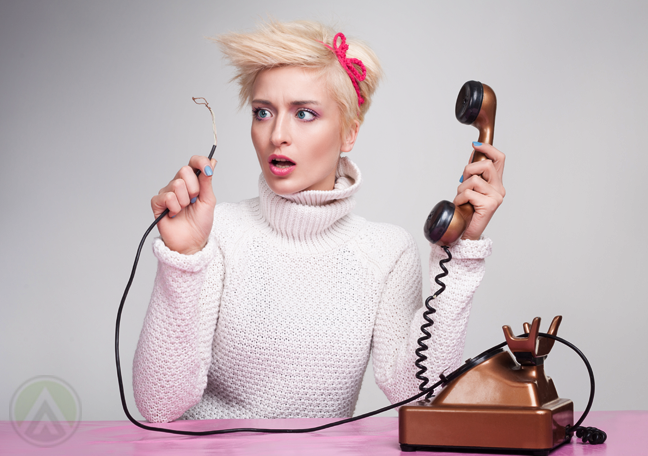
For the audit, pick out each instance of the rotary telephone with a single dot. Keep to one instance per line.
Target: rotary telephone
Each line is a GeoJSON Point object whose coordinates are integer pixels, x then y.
{"type": "Point", "coordinates": [498, 400]}
{"type": "Point", "coordinates": [495, 401]}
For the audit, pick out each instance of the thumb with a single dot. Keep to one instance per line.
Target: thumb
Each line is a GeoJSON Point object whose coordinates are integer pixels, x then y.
{"type": "Point", "coordinates": [206, 194]}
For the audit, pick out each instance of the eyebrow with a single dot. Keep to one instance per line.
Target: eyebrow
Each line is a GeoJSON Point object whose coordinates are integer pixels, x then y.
{"type": "Point", "coordinates": [292, 103]}
{"type": "Point", "coordinates": [304, 102]}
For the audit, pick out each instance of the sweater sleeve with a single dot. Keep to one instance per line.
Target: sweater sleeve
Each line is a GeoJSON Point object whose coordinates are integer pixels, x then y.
{"type": "Point", "coordinates": [392, 357]}
{"type": "Point", "coordinates": [174, 350]}
{"type": "Point", "coordinates": [445, 347]}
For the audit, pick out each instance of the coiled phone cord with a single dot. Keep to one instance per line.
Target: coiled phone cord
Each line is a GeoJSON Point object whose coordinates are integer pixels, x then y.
{"type": "Point", "coordinates": [428, 323]}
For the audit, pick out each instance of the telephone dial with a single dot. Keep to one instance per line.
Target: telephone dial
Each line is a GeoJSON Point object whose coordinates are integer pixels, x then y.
{"type": "Point", "coordinates": [496, 400]}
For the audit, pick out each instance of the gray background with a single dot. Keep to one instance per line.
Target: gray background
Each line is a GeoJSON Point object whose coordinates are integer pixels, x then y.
{"type": "Point", "coordinates": [96, 116]}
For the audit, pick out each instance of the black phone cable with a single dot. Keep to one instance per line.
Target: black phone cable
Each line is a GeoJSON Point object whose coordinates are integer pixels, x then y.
{"type": "Point", "coordinates": [422, 369]}
{"type": "Point", "coordinates": [591, 435]}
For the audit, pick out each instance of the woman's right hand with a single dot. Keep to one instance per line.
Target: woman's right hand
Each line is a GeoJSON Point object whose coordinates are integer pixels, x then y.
{"type": "Point", "coordinates": [187, 226]}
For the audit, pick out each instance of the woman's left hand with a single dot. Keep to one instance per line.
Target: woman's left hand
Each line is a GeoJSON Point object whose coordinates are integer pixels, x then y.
{"type": "Point", "coordinates": [483, 188]}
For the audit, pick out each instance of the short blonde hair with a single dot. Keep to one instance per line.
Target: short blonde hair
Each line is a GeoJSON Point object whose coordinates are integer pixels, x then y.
{"type": "Point", "coordinates": [276, 44]}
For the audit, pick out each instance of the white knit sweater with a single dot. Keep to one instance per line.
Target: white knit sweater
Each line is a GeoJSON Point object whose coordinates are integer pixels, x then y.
{"type": "Point", "coordinates": [277, 316]}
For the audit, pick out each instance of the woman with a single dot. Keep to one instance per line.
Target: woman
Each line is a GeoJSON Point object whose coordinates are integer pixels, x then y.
{"type": "Point", "coordinates": [271, 307]}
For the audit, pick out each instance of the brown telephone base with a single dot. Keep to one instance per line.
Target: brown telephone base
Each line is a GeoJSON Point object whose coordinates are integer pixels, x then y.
{"type": "Point", "coordinates": [499, 401]}
{"type": "Point", "coordinates": [512, 430]}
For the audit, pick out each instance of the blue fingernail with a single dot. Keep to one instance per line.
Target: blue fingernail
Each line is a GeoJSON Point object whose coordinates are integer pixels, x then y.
{"type": "Point", "coordinates": [461, 179]}
{"type": "Point", "coordinates": [193, 200]}
{"type": "Point", "coordinates": [172, 215]}
{"type": "Point", "coordinates": [477, 143]}
{"type": "Point", "coordinates": [208, 170]}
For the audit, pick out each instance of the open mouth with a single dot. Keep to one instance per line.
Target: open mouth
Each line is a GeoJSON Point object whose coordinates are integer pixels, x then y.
{"type": "Point", "coordinates": [282, 163]}
{"type": "Point", "coordinates": [281, 166]}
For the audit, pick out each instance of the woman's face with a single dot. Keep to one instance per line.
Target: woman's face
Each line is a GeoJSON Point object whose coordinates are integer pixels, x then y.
{"type": "Point", "coordinates": [296, 129]}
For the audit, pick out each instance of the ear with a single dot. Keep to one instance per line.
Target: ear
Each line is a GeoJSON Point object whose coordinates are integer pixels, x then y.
{"type": "Point", "coordinates": [349, 139]}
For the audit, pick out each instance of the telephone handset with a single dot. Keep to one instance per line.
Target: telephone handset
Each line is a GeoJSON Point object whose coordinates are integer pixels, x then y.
{"type": "Point", "coordinates": [476, 105]}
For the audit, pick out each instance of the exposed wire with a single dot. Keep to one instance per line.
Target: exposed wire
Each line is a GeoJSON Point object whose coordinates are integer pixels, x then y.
{"type": "Point", "coordinates": [206, 104]}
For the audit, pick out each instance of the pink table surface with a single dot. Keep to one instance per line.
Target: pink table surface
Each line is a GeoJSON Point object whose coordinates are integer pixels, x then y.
{"type": "Point", "coordinates": [375, 436]}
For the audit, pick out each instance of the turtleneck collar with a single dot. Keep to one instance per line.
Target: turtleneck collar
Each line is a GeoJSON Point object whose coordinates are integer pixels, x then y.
{"type": "Point", "coordinates": [311, 214]}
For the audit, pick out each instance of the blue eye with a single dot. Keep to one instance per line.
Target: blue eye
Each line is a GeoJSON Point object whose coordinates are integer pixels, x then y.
{"type": "Point", "coordinates": [305, 115]}
{"type": "Point", "coordinates": [261, 113]}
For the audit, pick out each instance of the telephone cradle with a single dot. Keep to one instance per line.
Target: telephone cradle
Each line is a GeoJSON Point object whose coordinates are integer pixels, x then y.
{"type": "Point", "coordinates": [497, 401]}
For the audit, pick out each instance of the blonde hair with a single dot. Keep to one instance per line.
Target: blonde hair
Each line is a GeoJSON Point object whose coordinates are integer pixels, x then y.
{"type": "Point", "coordinates": [276, 44]}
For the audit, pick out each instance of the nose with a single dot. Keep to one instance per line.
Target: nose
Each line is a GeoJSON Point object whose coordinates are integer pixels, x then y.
{"type": "Point", "coordinates": [281, 132]}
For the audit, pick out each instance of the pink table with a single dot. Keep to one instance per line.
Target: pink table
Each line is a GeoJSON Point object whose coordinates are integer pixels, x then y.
{"type": "Point", "coordinates": [373, 436]}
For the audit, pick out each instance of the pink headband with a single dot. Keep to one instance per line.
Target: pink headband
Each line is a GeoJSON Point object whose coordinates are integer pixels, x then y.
{"type": "Point", "coordinates": [348, 64]}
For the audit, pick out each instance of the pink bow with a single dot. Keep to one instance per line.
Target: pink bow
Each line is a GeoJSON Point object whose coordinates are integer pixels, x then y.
{"type": "Point", "coordinates": [349, 64]}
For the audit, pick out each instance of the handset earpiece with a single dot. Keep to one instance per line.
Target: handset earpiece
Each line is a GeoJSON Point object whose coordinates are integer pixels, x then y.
{"type": "Point", "coordinates": [476, 105]}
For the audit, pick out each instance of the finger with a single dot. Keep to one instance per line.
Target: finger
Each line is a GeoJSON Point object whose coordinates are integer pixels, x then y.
{"type": "Point", "coordinates": [480, 194]}
{"type": "Point", "coordinates": [485, 208]}
{"type": "Point", "coordinates": [497, 157]}
{"type": "Point", "coordinates": [478, 184]}
{"type": "Point", "coordinates": [181, 191]}
{"type": "Point", "coordinates": [188, 175]}
{"type": "Point", "coordinates": [484, 168]}
{"type": "Point", "coordinates": [202, 164]}
{"type": "Point", "coordinates": [486, 171]}
{"type": "Point", "coordinates": [206, 168]}
{"type": "Point", "coordinates": [177, 187]}
{"type": "Point", "coordinates": [167, 200]}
